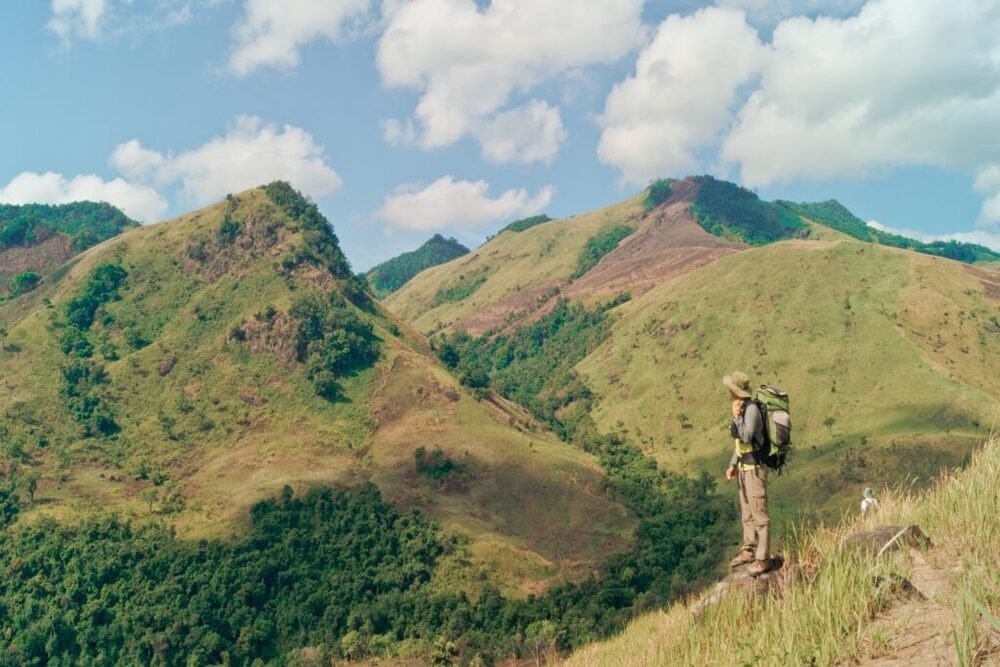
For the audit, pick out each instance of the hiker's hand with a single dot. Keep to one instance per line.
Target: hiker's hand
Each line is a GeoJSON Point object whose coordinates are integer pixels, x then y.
{"type": "Point", "coordinates": [737, 408]}
{"type": "Point", "coordinates": [731, 472]}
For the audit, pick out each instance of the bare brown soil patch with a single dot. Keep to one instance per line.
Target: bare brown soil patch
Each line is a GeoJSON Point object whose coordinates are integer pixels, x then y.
{"type": "Point", "coordinates": [989, 279]}
{"type": "Point", "coordinates": [514, 309]}
{"type": "Point", "coordinates": [43, 258]}
{"type": "Point", "coordinates": [667, 243]}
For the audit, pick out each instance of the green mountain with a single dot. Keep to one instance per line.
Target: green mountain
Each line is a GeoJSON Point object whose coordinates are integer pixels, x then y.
{"type": "Point", "coordinates": [390, 275]}
{"type": "Point", "coordinates": [36, 239]}
{"type": "Point", "coordinates": [889, 355]}
{"type": "Point", "coordinates": [215, 440]}
{"type": "Point", "coordinates": [218, 447]}
{"type": "Point", "coordinates": [190, 369]}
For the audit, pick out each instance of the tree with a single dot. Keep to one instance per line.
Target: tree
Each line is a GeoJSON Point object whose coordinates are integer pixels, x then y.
{"type": "Point", "coordinates": [29, 484]}
{"type": "Point", "coordinates": [150, 495]}
{"type": "Point", "coordinates": [3, 339]}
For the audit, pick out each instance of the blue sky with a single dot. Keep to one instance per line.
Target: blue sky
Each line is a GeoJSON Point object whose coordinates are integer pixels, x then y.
{"type": "Point", "coordinates": [403, 118]}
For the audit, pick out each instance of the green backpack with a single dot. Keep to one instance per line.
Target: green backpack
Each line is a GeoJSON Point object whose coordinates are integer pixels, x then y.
{"type": "Point", "coordinates": [773, 404]}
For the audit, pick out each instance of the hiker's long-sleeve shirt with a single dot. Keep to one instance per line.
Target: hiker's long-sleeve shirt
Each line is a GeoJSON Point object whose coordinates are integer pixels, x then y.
{"type": "Point", "coordinates": [750, 427]}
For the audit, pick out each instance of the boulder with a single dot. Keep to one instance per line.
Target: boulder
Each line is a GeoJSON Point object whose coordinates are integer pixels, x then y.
{"type": "Point", "coordinates": [771, 583]}
{"type": "Point", "coordinates": [887, 538]}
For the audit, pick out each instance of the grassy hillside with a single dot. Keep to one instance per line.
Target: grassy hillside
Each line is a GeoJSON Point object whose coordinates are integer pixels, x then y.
{"type": "Point", "coordinates": [890, 358]}
{"type": "Point", "coordinates": [523, 272]}
{"type": "Point", "coordinates": [183, 371]}
{"type": "Point", "coordinates": [533, 262]}
{"type": "Point", "coordinates": [389, 276]}
{"type": "Point", "coordinates": [846, 616]}
{"type": "Point", "coordinates": [35, 239]}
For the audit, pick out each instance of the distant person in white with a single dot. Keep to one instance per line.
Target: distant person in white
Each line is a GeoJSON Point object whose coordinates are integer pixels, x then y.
{"type": "Point", "coordinates": [868, 502]}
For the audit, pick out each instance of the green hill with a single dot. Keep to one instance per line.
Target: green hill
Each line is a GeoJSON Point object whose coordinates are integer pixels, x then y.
{"type": "Point", "coordinates": [835, 215]}
{"type": "Point", "coordinates": [36, 239]}
{"type": "Point", "coordinates": [830, 321]}
{"type": "Point", "coordinates": [725, 209]}
{"type": "Point", "coordinates": [186, 370]}
{"type": "Point", "coordinates": [515, 278]}
{"type": "Point", "coordinates": [390, 275]}
{"type": "Point", "coordinates": [889, 356]}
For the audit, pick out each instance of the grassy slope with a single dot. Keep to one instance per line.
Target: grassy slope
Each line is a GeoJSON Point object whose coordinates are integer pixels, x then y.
{"type": "Point", "coordinates": [512, 261]}
{"type": "Point", "coordinates": [831, 622]}
{"type": "Point", "coordinates": [243, 425]}
{"type": "Point", "coordinates": [890, 345]}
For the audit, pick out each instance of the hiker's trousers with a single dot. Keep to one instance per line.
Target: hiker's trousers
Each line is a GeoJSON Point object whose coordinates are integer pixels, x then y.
{"type": "Point", "coordinates": [753, 510]}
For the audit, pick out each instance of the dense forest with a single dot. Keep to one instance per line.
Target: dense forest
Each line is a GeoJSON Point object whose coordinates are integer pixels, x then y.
{"type": "Point", "coordinates": [86, 223]}
{"type": "Point", "coordinates": [337, 572]}
{"type": "Point", "coordinates": [834, 214]}
{"type": "Point", "coordinates": [727, 210]}
{"type": "Point", "coordinates": [389, 276]}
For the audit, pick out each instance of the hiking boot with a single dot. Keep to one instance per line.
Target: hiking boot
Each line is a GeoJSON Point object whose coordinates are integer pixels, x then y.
{"type": "Point", "coordinates": [759, 567]}
{"type": "Point", "coordinates": [742, 558]}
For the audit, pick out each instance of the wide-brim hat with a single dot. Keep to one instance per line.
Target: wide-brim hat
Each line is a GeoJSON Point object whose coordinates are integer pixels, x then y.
{"type": "Point", "coordinates": [738, 383]}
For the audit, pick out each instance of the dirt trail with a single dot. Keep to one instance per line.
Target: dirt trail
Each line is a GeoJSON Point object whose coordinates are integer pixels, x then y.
{"type": "Point", "coordinates": [919, 631]}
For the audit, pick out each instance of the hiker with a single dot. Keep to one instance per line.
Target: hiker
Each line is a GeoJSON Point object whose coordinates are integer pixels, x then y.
{"type": "Point", "coordinates": [747, 428]}
{"type": "Point", "coordinates": [868, 500]}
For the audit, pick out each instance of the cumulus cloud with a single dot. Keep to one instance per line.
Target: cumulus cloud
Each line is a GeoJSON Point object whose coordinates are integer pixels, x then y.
{"type": "Point", "coordinates": [467, 62]}
{"type": "Point", "coordinates": [137, 201]}
{"type": "Point", "coordinates": [272, 32]}
{"type": "Point", "coordinates": [681, 95]}
{"type": "Point", "coordinates": [530, 133]}
{"type": "Point", "coordinates": [77, 19]}
{"type": "Point", "coordinates": [901, 83]}
{"type": "Point", "coordinates": [982, 237]}
{"type": "Point", "coordinates": [447, 203]}
{"type": "Point", "coordinates": [848, 92]}
{"type": "Point", "coordinates": [251, 153]}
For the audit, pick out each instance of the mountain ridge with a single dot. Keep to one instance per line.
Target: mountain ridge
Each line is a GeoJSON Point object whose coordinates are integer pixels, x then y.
{"type": "Point", "coordinates": [225, 358]}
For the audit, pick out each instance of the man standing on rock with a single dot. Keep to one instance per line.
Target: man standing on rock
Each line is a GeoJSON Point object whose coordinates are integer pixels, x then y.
{"type": "Point", "coordinates": [747, 429]}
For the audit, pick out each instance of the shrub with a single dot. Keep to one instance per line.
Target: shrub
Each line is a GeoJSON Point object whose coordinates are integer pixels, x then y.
{"type": "Point", "coordinates": [598, 246]}
{"type": "Point", "coordinates": [657, 193]}
{"type": "Point", "coordinates": [23, 282]}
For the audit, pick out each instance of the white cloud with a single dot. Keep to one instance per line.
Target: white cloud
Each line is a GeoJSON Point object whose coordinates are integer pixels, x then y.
{"type": "Point", "coordinates": [468, 62]}
{"type": "Point", "coordinates": [251, 153]}
{"type": "Point", "coordinates": [272, 32]}
{"type": "Point", "coordinates": [530, 133]}
{"type": "Point", "coordinates": [901, 83]}
{"type": "Point", "coordinates": [137, 201]}
{"type": "Point", "coordinates": [447, 203]}
{"type": "Point", "coordinates": [136, 162]}
{"type": "Point", "coordinates": [989, 239]}
{"type": "Point", "coordinates": [77, 19]}
{"type": "Point", "coordinates": [681, 94]}
{"type": "Point", "coordinates": [399, 132]}
{"type": "Point", "coordinates": [111, 19]}
{"type": "Point", "coordinates": [988, 183]}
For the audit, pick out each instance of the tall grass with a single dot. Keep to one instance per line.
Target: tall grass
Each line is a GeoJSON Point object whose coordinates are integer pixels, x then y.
{"type": "Point", "coordinates": [827, 621]}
